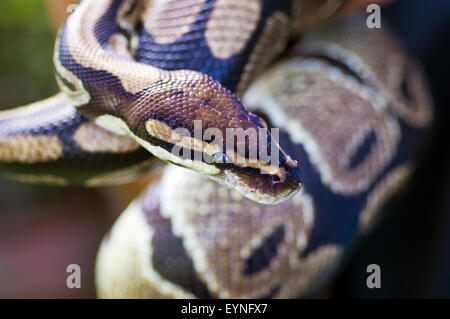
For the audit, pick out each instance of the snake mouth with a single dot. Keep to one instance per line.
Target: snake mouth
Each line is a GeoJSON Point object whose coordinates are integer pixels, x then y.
{"type": "Point", "coordinates": [265, 188]}
{"type": "Point", "coordinates": [290, 184]}
{"type": "Point", "coordinates": [272, 180]}
{"type": "Point", "coordinates": [293, 177]}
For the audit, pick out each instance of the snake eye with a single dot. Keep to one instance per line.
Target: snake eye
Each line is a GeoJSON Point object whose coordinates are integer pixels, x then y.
{"type": "Point", "coordinates": [222, 158]}
{"type": "Point", "coordinates": [275, 179]}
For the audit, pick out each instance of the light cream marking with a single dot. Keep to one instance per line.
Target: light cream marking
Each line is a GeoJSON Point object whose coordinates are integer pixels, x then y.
{"type": "Point", "coordinates": [112, 124]}
{"type": "Point", "coordinates": [220, 229]}
{"type": "Point", "coordinates": [389, 186]}
{"type": "Point", "coordinates": [172, 204]}
{"type": "Point", "coordinates": [378, 57]}
{"type": "Point", "coordinates": [86, 50]}
{"type": "Point", "coordinates": [348, 57]}
{"type": "Point", "coordinates": [165, 133]}
{"type": "Point", "coordinates": [92, 138]}
{"type": "Point", "coordinates": [28, 149]}
{"type": "Point", "coordinates": [230, 26]}
{"type": "Point", "coordinates": [301, 201]}
{"type": "Point", "coordinates": [314, 269]}
{"type": "Point", "coordinates": [33, 107]}
{"type": "Point", "coordinates": [79, 96]}
{"type": "Point", "coordinates": [272, 41]}
{"type": "Point", "coordinates": [169, 20]}
{"type": "Point", "coordinates": [117, 126]}
{"type": "Point", "coordinates": [333, 169]}
{"type": "Point", "coordinates": [214, 223]}
{"type": "Point", "coordinates": [124, 176]}
{"type": "Point", "coordinates": [45, 179]}
{"type": "Point", "coordinates": [123, 265]}
{"type": "Point", "coordinates": [119, 45]}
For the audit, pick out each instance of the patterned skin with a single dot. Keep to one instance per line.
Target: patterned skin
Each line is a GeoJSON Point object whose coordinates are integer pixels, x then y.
{"type": "Point", "coordinates": [49, 142]}
{"type": "Point", "coordinates": [150, 103]}
{"type": "Point", "coordinates": [152, 111]}
{"type": "Point", "coordinates": [131, 72]}
{"type": "Point", "coordinates": [358, 145]}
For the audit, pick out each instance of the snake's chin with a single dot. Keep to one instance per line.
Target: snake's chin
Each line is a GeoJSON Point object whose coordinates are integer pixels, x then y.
{"type": "Point", "coordinates": [266, 200]}
{"type": "Point", "coordinates": [267, 192]}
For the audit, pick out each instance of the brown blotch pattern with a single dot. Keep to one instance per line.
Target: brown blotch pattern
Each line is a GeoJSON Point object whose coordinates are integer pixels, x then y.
{"type": "Point", "coordinates": [333, 126]}
{"type": "Point", "coordinates": [189, 96]}
{"type": "Point", "coordinates": [311, 271]}
{"type": "Point", "coordinates": [30, 148]}
{"type": "Point", "coordinates": [381, 61]}
{"type": "Point", "coordinates": [88, 52]}
{"type": "Point", "coordinates": [272, 41]}
{"type": "Point", "coordinates": [230, 26]}
{"type": "Point", "coordinates": [221, 230]}
{"type": "Point", "coordinates": [94, 139]}
{"type": "Point", "coordinates": [169, 20]}
{"type": "Point", "coordinates": [123, 268]}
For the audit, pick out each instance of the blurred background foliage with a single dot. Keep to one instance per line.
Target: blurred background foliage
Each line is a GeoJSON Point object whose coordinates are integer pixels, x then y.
{"type": "Point", "coordinates": [26, 53]}
{"type": "Point", "coordinates": [43, 228]}
{"type": "Point", "coordinates": [26, 74]}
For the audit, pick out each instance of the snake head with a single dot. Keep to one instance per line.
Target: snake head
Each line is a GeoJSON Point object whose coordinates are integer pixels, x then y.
{"type": "Point", "coordinates": [193, 121]}
{"type": "Point", "coordinates": [257, 166]}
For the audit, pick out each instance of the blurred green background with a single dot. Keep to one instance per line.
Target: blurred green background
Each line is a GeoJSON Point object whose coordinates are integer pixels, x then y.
{"type": "Point", "coordinates": [27, 39]}
{"type": "Point", "coordinates": [42, 228]}
{"type": "Point", "coordinates": [26, 73]}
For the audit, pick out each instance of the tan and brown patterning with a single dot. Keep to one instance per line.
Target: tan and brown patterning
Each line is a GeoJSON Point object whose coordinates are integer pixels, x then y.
{"type": "Point", "coordinates": [149, 103]}
{"type": "Point", "coordinates": [167, 21]}
{"type": "Point", "coordinates": [332, 127]}
{"type": "Point", "coordinates": [91, 138]}
{"type": "Point", "coordinates": [272, 42]}
{"type": "Point", "coordinates": [343, 100]}
{"type": "Point", "coordinates": [231, 25]}
{"type": "Point", "coordinates": [395, 77]}
{"type": "Point", "coordinates": [30, 149]}
{"type": "Point", "coordinates": [204, 240]}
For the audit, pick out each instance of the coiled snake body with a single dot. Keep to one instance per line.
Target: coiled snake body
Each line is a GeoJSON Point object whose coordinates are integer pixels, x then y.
{"type": "Point", "coordinates": [351, 104]}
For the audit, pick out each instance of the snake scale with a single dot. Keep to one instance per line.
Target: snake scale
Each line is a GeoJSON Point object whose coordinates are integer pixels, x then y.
{"type": "Point", "coordinates": [352, 106]}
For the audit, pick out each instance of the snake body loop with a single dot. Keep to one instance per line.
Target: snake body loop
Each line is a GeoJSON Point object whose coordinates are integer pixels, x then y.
{"type": "Point", "coordinates": [150, 103]}
{"type": "Point", "coordinates": [352, 107]}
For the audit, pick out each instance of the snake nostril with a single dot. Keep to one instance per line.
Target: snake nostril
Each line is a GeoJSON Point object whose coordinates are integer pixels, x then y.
{"type": "Point", "coordinates": [276, 179]}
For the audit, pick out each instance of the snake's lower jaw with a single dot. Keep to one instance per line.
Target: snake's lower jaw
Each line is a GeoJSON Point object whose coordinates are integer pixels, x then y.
{"type": "Point", "coordinates": [293, 178]}
{"type": "Point", "coordinates": [265, 188]}
{"type": "Point", "coordinates": [290, 185]}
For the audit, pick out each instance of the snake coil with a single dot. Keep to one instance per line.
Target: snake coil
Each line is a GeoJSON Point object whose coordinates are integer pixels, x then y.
{"type": "Point", "coordinates": [352, 107]}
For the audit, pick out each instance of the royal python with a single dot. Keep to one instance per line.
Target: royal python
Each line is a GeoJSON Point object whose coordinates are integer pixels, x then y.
{"type": "Point", "coordinates": [352, 105]}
